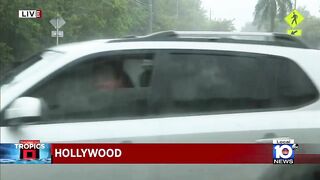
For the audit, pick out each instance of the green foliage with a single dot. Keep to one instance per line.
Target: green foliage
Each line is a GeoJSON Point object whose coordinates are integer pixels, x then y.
{"type": "Point", "coordinates": [221, 25]}
{"type": "Point", "coordinates": [311, 31]}
{"type": "Point", "coordinates": [178, 15]}
{"type": "Point", "coordinates": [268, 11]}
{"type": "Point", "coordinates": [5, 53]}
{"type": "Point", "coordinates": [95, 19]}
{"type": "Point", "coordinates": [5, 58]}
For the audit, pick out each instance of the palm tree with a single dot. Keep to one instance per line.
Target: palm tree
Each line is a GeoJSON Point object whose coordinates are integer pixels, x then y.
{"type": "Point", "coordinates": [266, 12]}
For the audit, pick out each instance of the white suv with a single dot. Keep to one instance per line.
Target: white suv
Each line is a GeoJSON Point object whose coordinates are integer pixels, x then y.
{"type": "Point", "coordinates": [195, 87]}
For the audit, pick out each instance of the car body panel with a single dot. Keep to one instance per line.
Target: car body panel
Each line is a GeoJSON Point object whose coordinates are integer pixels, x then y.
{"type": "Point", "coordinates": [301, 123]}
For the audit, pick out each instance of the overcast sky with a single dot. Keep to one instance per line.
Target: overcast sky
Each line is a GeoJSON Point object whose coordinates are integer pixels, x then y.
{"type": "Point", "coordinates": [242, 10]}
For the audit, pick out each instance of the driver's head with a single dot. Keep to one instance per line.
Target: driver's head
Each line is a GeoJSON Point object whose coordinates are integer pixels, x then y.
{"type": "Point", "coordinates": [108, 76]}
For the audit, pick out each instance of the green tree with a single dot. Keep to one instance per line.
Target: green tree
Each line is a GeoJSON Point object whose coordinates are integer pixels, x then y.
{"type": "Point", "coordinates": [178, 15]}
{"type": "Point", "coordinates": [6, 58]}
{"type": "Point", "coordinates": [86, 20]}
{"type": "Point", "coordinates": [311, 28]}
{"type": "Point", "coordinates": [249, 27]}
{"type": "Point", "coordinates": [267, 11]}
{"type": "Point", "coordinates": [221, 25]}
{"type": "Point", "coordinates": [186, 15]}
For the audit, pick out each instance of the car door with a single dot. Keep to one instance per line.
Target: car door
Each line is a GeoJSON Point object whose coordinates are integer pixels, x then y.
{"type": "Point", "coordinates": [99, 98]}
{"type": "Point", "coordinates": [186, 96]}
{"type": "Point", "coordinates": [233, 97]}
{"type": "Point", "coordinates": [110, 87]}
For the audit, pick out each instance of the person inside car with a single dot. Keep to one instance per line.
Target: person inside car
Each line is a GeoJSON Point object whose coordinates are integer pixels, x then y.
{"type": "Point", "coordinates": [110, 76]}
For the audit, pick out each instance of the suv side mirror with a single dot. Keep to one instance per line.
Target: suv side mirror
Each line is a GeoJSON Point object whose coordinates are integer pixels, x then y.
{"type": "Point", "coordinates": [23, 110]}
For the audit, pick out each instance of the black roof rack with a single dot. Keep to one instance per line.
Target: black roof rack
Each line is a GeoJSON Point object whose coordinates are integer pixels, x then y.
{"type": "Point", "coordinates": [274, 39]}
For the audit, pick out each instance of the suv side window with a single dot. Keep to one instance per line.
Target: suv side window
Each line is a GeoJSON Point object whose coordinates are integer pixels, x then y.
{"type": "Point", "coordinates": [107, 86]}
{"type": "Point", "coordinates": [192, 82]}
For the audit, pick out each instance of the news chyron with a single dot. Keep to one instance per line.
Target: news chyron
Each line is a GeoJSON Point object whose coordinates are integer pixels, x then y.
{"type": "Point", "coordinates": [283, 151]}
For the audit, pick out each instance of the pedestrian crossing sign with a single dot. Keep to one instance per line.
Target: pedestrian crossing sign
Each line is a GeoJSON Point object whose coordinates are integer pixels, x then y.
{"type": "Point", "coordinates": [294, 18]}
{"type": "Point", "coordinates": [294, 32]}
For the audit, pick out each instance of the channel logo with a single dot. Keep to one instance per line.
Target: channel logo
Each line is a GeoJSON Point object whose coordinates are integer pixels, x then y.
{"type": "Point", "coordinates": [25, 152]}
{"type": "Point", "coordinates": [29, 149]}
{"type": "Point", "coordinates": [283, 151]}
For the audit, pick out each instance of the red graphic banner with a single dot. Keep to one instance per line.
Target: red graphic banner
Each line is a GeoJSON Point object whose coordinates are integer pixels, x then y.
{"type": "Point", "coordinates": [162, 153]}
{"type": "Point", "coordinates": [169, 154]}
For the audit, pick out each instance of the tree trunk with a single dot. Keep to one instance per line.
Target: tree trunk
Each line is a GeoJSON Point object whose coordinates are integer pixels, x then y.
{"type": "Point", "coordinates": [272, 24]}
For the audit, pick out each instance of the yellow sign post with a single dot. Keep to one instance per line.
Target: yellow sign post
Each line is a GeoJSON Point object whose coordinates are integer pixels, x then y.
{"type": "Point", "coordinates": [294, 32]}
{"type": "Point", "coordinates": [294, 18]}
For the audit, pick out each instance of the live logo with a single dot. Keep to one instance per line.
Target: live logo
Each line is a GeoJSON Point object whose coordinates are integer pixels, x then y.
{"type": "Point", "coordinates": [30, 13]}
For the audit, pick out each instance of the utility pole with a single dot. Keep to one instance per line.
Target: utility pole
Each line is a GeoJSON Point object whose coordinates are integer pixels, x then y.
{"type": "Point", "coordinates": [177, 13]}
{"type": "Point", "coordinates": [57, 30]}
{"type": "Point", "coordinates": [150, 16]}
{"type": "Point", "coordinates": [295, 4]}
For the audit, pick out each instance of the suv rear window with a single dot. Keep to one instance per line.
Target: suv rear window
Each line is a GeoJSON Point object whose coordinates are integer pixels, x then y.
{"type": "Point", "coordinates": [206, 82]}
